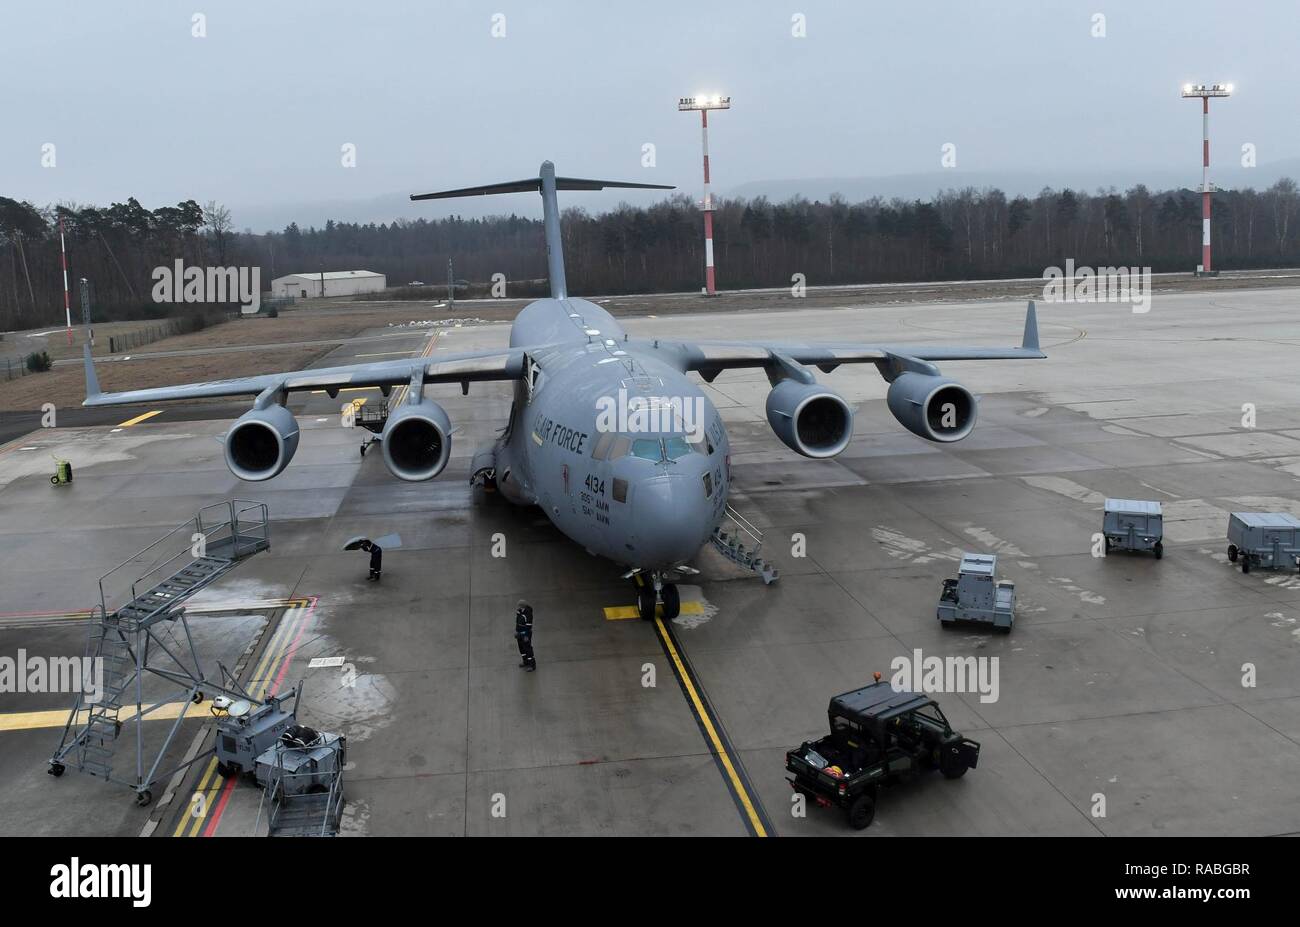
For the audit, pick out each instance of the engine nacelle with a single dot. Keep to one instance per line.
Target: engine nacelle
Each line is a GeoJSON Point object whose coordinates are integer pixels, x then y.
{"type": "Point", "coordinates": [809, 419]}
{"type": "Point", "coordinates": [417, 441]}
{"type": "Point", "coordinates": [261, 443]}
{"type": "Point", "coordinates": [935, 408]}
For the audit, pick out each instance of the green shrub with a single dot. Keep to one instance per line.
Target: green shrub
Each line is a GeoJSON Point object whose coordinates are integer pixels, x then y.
{"type": "Point", "coordinates": [39, 362]}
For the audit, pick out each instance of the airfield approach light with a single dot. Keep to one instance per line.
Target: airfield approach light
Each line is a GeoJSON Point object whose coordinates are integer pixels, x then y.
{"type": "Point", "coordinates": [703, 103]}
{"type": "Point", "coordinates": [1204, 92]}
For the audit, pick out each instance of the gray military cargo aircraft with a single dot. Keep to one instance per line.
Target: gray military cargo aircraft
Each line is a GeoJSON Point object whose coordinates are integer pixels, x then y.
{"type": "Point", "coordinates": [607, 433]}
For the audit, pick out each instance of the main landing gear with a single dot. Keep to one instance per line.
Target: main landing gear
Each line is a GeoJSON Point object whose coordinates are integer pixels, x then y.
{"type": "Point", "coordinates": [651, 591]}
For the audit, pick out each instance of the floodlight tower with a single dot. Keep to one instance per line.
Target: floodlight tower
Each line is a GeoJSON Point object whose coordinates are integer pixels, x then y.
{"type": "Point", "coordinates": [704, 104]}
{"type": "Point", "coordinates": [1204, 92]}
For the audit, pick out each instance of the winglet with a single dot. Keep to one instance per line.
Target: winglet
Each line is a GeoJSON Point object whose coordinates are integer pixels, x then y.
{"type": "Point", "coordinates": [1030, 341]}
{"type": "Point", "coordinates": [92, 381]}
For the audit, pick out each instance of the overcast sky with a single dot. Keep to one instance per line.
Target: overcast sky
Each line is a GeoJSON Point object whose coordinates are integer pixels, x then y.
{"type": "Point", "coordinates": [256, 112]}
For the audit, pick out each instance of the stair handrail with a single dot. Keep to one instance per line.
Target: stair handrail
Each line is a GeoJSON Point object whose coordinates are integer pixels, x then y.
{"type": "Point", "coordinates": [745, 525]}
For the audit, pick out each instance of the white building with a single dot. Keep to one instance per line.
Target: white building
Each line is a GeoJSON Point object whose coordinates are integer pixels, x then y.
{"type": "Point", "coordinates": [332, 283]}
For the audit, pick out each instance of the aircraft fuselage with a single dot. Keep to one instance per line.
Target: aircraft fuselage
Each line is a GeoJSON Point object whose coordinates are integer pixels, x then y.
{"type": "Point", "coordinates": [622, 451]}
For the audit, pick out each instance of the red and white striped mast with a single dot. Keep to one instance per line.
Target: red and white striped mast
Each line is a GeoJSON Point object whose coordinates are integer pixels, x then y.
{"type": "Point", "coordinates": [704, 104]}
{"type": "Point", "coordinates": [1204, 92]}
{"type": "Point", "coordinates": [67, 297]}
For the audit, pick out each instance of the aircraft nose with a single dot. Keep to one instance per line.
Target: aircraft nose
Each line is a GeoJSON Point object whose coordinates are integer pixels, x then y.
{"type": "Point", "coordinates": [673, 519]}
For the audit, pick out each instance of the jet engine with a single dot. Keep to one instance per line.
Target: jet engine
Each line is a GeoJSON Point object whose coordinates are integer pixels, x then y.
{"type": "Point", "coordinates": [935, 408]}
{"type": "Point", "coordinates": [417, 441]}
{"type": "Point", "coordinates": [261, 443]}
{"type": "Point", "coordinates": [809, 419]}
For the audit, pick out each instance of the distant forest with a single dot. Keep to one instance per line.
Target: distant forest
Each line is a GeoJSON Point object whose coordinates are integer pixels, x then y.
{"type": "Point", "coordinates": [960, 234]}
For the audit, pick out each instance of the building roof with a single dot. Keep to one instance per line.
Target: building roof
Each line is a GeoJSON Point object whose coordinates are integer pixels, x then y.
{"type": "Point", "coordinates": [330, 275]}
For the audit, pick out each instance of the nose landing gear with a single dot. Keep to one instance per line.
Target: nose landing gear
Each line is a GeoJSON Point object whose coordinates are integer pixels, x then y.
{"type": "Point", "coordinates": [651, 591]}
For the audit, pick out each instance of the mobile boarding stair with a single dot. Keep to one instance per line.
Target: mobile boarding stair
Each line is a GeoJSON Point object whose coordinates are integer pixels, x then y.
{"type": "Point", "coordinates": [148, 636]}
{"type": "Point", "coordinates": [740, 542]}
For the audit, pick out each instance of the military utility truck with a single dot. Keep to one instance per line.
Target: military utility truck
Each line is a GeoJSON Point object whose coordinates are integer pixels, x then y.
{"type": "Point", "coordinates": [878, 736]}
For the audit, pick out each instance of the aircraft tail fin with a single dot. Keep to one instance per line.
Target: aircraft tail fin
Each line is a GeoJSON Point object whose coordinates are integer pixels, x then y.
{"type": "Point", "coordinates": [547, 184]}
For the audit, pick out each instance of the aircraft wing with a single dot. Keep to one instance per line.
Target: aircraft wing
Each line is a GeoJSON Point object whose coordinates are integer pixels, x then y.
{"type": "Point", "coordinates": [498, 364]}
{"type": "Point", "coordinates": [709, 358]}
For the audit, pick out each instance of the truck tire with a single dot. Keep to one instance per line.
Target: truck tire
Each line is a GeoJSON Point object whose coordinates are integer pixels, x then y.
{"type": "Point", "coordinates": [1245, 564]}
{"type": "Point", "coordinates": [862, 812]}
{"type": "Point", "coordinates": [1232, 553]}
{"type": "Point", "coordinates": [1159, 549]}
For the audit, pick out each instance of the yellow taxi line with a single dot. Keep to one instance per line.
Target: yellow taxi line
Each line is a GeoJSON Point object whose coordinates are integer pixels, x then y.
{"type": "Point", "coordinates": [702, 716]}
{"type": "Point", "coordinates": [207, 800]}
{"type": "Point", "coordinates": [140, 418]}
{"type": "Point", "coordinates": [270, 663]}
{"type": "Point", "coordinates": [33, 720]}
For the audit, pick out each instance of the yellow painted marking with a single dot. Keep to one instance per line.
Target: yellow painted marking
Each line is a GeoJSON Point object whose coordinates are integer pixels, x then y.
{"type": "Point", "coordinates": [33, 720]}
{"type": "Point", "coordinates": [140, 418]}
{"type": "Point", "coordinates": [270, 664]}
{"type": "Point", "coordinates": [400, 393]}
{"type": "Point", "coordinates": [270, 657]}
{"type": "Point", "coordinates": [624, 612]}
{"type": "Point", "coordinates": [207, 802]}
{"type": "Point", "coordinates": [703, 717]}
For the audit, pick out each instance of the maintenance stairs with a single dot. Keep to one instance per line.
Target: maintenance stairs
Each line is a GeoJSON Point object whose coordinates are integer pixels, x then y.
{"type": "Point", "coordinates": [741, 543]}
{"type": "Point", "coordinates": [145, 636]}
{"type": "Point", "coordinates": [302, 805]}
{"type": "Point", "coordinates": [316, 814]}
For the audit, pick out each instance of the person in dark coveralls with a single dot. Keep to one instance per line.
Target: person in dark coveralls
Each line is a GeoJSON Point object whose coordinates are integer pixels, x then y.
{"type": "Point", "coordinates": [524, 636]}
{"type": "Point", "coordinates": [376, 560]}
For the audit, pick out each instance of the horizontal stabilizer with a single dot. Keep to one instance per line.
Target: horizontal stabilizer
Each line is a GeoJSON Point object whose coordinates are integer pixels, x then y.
{"type": "Point", "coordinates": [535, 184]}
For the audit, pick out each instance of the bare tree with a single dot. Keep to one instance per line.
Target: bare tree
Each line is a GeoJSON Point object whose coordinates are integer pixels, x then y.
{"type": "Point", "coordinates": [216, 219]}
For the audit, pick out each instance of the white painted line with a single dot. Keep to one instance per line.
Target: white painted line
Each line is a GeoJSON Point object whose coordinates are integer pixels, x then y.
{"type": "Point", "coordinates": [318, 662]}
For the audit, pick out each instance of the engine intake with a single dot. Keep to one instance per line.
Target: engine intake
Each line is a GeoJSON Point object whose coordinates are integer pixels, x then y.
{"type": "Point", "coordinates": [935, 408]}
{"type": "Point", "coordinates": [809, 419]}
{"type": "Point", "coordinates": [261, 443]}
{"type": "Point", "coordinates": [417, 441]}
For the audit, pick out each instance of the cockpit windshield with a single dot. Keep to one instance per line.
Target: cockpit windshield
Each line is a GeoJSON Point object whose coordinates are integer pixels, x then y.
{"type": "Point", "coordinates": [676, 447]}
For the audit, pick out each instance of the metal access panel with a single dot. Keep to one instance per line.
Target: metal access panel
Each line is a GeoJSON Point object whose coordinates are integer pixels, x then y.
{"type": "Point", "coordinates": [977, 595]}
{"type": "Point", "coordinates": [303, 769]}
{"type": "Point", "coordinates": [975, 581]}
{"type": "Point", "coordinates": [1133, 524]}
{"type": "Point", "coordinates": [240, 740]}
{"type": "Point", "coordinates": [1269, 540]}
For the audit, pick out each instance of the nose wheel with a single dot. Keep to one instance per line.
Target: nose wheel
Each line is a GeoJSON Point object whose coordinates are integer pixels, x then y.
{"type": "Point", "coordinates": [654, 592]}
